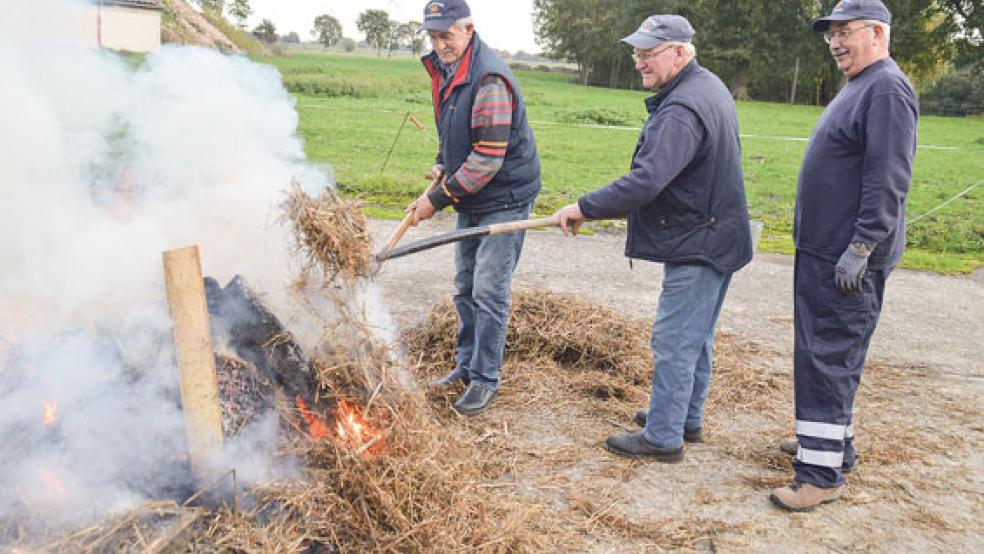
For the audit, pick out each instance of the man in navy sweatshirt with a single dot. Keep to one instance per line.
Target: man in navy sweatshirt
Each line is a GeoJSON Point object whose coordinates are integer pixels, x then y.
{"type": "Point", "coordinates": [849, 231]}
{"type": "Point", "coordinates": [685, 201]}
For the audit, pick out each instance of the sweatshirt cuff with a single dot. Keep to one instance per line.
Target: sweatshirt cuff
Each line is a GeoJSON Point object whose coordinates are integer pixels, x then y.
{"type": "Point", "coordinates": [438, 199]}
{"type": "Point", "coordinates": [587, 208]}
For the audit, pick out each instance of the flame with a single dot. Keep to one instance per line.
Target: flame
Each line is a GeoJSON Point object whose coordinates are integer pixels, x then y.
{"type": "Point", "coordinates": [354, 431]}
{"type": "Point", "coordinates": [50, 416]}
{"type": "Point", "coordinates": [51, 482]}
{"type": "Point", "coordinates": [351, 428]}
{"type": "Point", "coordinates": [315, 427]}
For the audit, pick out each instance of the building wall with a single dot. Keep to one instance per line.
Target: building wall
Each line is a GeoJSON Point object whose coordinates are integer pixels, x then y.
{"type": "Point", "coordinates": [124, 28]}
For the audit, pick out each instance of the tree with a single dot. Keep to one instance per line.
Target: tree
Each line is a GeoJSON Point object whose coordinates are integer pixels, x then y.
{"type": "Point", "coordinates": [327, 30]}
{"type": "Point", "coordinates": [968, 16]}
{"type": "Point", "coordinates": [414, 38]}
{"type": "Point", "coordinates": [266, 31]}
{"type": "Point", "coordinates": [240, 10]}
{"type": "Point", "coordinates": [376, 25]}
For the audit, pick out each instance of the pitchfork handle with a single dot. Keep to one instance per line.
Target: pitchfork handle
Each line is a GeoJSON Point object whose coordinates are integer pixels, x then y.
{"type": "Point", "coordinates": [405, 224]}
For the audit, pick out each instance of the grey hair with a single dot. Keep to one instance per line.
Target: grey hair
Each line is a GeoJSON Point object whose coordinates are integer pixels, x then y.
{"type": "Point", "coordinates": [688, 47]}
{"type": "Point", "coordinates": [885, 27]}
{"type": "Point", "coordinates": [462, 23]}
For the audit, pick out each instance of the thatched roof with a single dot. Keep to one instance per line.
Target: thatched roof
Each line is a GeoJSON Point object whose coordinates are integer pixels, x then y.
{"type": "Point", "coordinates": [147, 4]}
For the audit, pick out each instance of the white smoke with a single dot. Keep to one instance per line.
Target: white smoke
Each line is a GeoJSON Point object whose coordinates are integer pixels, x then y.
{"type": "Point", "coordinates": [104, 164]}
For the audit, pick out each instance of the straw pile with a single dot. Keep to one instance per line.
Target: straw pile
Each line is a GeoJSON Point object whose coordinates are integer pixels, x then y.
{"type": "Point", "coordinates": [330, 234]}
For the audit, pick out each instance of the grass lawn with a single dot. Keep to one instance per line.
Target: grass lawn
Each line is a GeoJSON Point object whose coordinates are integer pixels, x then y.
{"type": "Point", "coordinates": [351, 108]}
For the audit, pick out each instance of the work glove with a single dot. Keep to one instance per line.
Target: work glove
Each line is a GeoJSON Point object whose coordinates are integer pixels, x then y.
{"type": "Point", "coordinates": [850, 268]}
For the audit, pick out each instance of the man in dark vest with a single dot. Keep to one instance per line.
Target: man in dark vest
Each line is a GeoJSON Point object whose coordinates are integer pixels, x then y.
{"type": "Point", "coordinates": [491, 175]}
{"type": "Point", "coordinates": [849, 231]}
{"type": "Point", "coordinates": [685, 201]}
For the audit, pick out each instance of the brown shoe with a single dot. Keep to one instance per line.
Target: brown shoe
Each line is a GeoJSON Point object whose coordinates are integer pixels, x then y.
{"type": "Point", "coordinates": [803, 497]}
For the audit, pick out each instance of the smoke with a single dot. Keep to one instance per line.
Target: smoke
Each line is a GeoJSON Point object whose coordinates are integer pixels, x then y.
{"type": "Point", "coordinates": [104, 164]}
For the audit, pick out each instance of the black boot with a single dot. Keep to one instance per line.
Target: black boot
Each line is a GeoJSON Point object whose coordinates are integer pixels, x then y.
{"type": "Point", "coordinates": [689, 435]}
{"type": "Point", "coordinates": [634, 445]}
{"type": "Point", "coordinates": [476, 398]}
{"type": "Point", "coordinates": [458, 375]}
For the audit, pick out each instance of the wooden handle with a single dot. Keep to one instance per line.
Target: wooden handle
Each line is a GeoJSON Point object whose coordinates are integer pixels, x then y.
{"type": "Point", "coordinates": [405, 224]}
{"type": "Point", "coordinates": [522, 225]}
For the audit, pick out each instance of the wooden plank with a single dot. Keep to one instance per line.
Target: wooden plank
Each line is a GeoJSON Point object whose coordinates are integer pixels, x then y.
{"type": "Point", "coordinates": [195, 356]}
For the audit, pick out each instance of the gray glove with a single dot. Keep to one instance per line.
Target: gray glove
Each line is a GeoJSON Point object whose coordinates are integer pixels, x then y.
{"type": "Point", "coordinates": [850, 268]}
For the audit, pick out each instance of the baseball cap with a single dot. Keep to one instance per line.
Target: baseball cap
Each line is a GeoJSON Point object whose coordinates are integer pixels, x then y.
{"type": "Point", "coordinates": [439, 15]}
{"type": "Point", "coordinates": [657, 29]}
{"type": "Point", "coordinates": [849, 10]}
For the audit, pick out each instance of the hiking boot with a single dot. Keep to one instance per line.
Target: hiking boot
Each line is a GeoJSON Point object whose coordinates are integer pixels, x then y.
{"type": "Point", "coordinates": [634, 445]}
{"type": "Point", "coordinates": [803, 497]}
{"type": "Point", "coordinates": [456, 376]}
{"type": "Point", "coordinates": [476, 398]}
{"type": "Point", "coordinates": [689, 435]}
{"type": "Point", "coordinates": [791, 447]}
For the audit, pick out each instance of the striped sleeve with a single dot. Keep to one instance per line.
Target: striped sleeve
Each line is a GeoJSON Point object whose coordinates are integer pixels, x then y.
{"type": "Point", "coordinates": [490, 122]}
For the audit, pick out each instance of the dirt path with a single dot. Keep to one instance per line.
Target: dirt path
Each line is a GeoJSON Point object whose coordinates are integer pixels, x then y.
{"type": "Point", "coordinates": [928, 320]}
{"type": "Point", "coordinates": [920, 408]}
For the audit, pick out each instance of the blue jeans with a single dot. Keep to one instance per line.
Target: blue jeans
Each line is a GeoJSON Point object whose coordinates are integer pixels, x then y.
{"type": "Point", "coordinates": [483, 283]}
{"type": "Point", "coordinates": [683, 349]}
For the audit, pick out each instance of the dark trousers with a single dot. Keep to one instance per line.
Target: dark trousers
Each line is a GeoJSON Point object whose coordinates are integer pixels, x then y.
{"type": "Point", "coordinates": [833, 332]}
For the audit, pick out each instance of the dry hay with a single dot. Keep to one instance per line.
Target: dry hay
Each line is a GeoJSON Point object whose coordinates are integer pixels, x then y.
{"type": "Point", "coordinates": [330, 234]}
{"type": "Point", "coordinates": [581, 369]}
{"type": "Point", "coordinates": [160, 526]}
{"type": "Point", "coordinates": [379, 472]}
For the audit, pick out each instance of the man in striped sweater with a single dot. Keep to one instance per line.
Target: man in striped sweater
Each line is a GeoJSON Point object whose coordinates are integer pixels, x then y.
{"type": "Point", "coordinates": [491, 175]}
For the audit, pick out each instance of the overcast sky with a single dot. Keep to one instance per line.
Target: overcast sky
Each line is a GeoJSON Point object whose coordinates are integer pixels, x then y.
{"type": "Point", "coordinates": [504, 24]}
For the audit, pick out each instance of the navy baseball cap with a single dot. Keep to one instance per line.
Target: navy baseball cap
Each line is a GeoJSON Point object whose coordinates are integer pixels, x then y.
{"type": "Point", "coordinates": [849, 10]}
{"type": "Point", "coordinates": [657, 29]}
{"type": "Point", "coordinates": [439, 15]}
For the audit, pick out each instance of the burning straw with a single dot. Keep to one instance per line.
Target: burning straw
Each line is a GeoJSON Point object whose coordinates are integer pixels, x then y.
{"type": "Point", "coordinates": [380, 472]}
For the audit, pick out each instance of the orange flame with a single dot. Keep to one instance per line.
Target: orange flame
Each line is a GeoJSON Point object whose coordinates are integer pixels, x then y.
{"type": "Point", "coordinates": [355, 432]}
{"type": "Point", "coordinates": [350, 427]}
{"type": "Point", "coordinates": [315, 427]}
{"type": "Point", "coordinates": [52, 483]}
{"type": "Point", "coordinates": [50, 416]}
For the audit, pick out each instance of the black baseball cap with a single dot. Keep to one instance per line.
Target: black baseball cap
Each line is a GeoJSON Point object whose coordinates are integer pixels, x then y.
{"type": "Point", "coordinates": [439, 15]}
{"type": "Point", "coordinates": [657, 29]}
{"type": "Point", "coordinates": [849, 10]}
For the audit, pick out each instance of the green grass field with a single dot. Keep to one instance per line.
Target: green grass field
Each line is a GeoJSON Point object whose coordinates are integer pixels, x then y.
{"type": "Point", "coordinates": [351, 108]}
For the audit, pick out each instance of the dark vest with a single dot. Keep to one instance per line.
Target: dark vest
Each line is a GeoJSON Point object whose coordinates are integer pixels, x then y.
{"type": "Point", "coordinates": [702, 216]}
{"type": "Point", "coordinates": [518, 181]}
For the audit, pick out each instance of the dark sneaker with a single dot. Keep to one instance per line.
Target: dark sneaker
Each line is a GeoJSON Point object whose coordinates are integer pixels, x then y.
{"type": "Point", "coordinates": [477, 397]}
{"type": "Point", "coordinates": [689, 435]}
{"type": "Point", "coordinates": [456, 376]}
{"type": "Point", "coordinates": [634, 445]}
{"type": "Point", "coordinates": [803, 497]}
{"type": "Point", "coordinates": [791, 446]}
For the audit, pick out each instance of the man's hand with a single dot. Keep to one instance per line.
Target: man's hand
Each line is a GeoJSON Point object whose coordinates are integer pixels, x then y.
{"type": "Point", "coordinates": [438, 169]}
{"type": "Point", "coordinates": [850, 269]}
{"type": "Point", "coordinates": [421, 209]}
{"type": "Point", "coordinates": [570, 219]}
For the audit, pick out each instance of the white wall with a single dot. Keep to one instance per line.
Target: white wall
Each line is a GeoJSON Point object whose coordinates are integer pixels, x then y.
{"type": "Point", "coordinates": [123, 28]}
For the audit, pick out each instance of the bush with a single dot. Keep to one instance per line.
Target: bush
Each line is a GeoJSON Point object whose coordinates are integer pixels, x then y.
{"type": "Point", "coordinates": [602, 116]}
{"type": "Point", "coordinates": [957, 93]}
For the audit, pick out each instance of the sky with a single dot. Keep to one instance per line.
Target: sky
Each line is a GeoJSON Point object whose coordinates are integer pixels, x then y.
{"type": "Point", "coordinates": [503, 24]}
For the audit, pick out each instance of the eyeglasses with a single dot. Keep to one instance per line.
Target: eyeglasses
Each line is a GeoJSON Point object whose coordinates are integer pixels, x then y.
{"type": "Point", "coordinates": [646, 56]}
{"type": "Point", "coordinates": [842, 34]}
